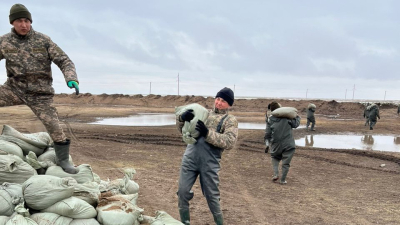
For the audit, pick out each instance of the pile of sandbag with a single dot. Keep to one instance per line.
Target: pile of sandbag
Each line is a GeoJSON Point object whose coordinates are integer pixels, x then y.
{"type": "Point", "coordinates": [35, 191]}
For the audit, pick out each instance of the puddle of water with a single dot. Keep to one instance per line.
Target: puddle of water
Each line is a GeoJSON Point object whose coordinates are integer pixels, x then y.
{"type": "Point", "coordinates": [158, 119]}
{"type": "Point", "coordinates": [364, 142]}
{"type": "Point", "coordinates": [141, 119]}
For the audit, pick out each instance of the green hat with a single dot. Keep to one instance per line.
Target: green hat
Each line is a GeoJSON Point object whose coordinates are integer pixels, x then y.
{"type": "Point", "coordinates": [19, 11]}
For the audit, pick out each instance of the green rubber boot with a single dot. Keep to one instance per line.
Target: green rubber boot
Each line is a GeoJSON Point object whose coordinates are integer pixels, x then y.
{"type": "Point", "coordinates": [185, 216]}
{"type": "Point", "coordinates": [62, 156]}
{"type": "Point", "coordinates": [218, 219]}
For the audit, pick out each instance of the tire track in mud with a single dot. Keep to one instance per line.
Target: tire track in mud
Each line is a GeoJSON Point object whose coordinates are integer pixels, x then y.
{"type": "Point", "coordinates": [136, 138]}
{"type": "Point", "coordinates": [254, 146]}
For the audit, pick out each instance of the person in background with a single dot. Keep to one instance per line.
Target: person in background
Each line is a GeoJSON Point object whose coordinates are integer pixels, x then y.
{"type": "Point", "coordinates": [310, 116]}
{"type": "Point", "coordinates": [373, 116]}
{"type": "Point", "coordinates": [202, 159]}
{"type": "Point", "coordinates": [398, 109]}
{"type": "Point", "coordinates": [28, 56]}
{"type": "Point", "coordinates": [366, 114]}
{"type": "Point", "coordinates": [279, 138]}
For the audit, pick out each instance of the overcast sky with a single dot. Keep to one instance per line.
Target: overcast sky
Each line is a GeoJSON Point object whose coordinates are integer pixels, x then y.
{"type": "Point", "coordinates": [298, 49]}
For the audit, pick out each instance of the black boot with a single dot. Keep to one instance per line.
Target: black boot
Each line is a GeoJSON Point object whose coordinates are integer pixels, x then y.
{"type": "Point", "coordinates": [219, 219]}
{"type": "Point", "coordinates": [62, 156]}
{"type": "Point", "coordinates": [185, 216]}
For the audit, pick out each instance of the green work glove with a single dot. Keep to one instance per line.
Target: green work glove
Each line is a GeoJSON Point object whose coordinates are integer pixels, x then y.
{"type": "Point", "coordinates": [74, 84]}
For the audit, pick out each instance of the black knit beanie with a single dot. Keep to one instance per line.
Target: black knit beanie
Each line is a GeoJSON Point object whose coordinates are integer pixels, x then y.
{"type": "Point", "coordinates": [19, 11]}
{"type": "Point", "coordinates": [226, 94]}
{"type": "Point", "coordinates": [274, 105]}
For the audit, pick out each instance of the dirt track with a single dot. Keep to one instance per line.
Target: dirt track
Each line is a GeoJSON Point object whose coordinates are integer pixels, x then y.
{"type": "Point", "coordinates": [324, 186]}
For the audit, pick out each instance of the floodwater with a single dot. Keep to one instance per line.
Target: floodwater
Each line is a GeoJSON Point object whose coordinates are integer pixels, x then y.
{"type": "Point", "coordinates": [159, 119]}
{"type": "Point", "coordinates": [361, 142]}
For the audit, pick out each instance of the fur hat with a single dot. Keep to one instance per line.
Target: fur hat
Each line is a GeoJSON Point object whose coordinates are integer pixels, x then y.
{"type": "Point", "coordinates": [19, 11]}
{"type": "Point", "coordinates": [274, 105]}
{"type": "Point", "coordinates": [226, 94]}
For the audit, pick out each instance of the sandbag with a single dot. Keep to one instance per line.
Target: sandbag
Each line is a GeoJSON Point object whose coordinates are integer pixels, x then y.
{"type": "Point", "coordinates": [41, 139]}
{"type": "Point", "coordinates": [84, 222]}
{"type": "Point", "coordinates": [189, 132]}
{"type": "Point", "coordinates": [128, 186]}
{"type": "Point", "coordinates": [4, 219]}
{"type": "Point", "coordinates": [10, 197]}
{"type": "Point", "coordinates": [117, 210]}
{"type": "Point", "coordinates": [33, 161]}
{"type": "Point", "coordinates": [50, 219]}
{"type": "Point", "coordinates": [85, 173]}
{"type": "Point", "coordinates": [42, 191]}
{"type": "Point", "coordinates": [73, 208]}
{"type": "Point", "coordinates": [285, 112]}
{"type": "Point", "coordinates": [49, 156]}
{"type": "Point", "coordinates": [161, 219]}
{"type": "Point", "coordinates": [25, 146]}
{"type": "Point", "coordinates": [11, 148]}
{"type": "Point", "coordinates": [89, 192]}
{"type": "Point", "coordinates": [21, 216]}
{"type": "Point", "coordinates": [14, 170]}
{"type": "Point", "coordinates": [311, 106]}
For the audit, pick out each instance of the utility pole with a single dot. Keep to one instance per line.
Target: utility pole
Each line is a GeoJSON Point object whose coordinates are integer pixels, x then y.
{"type": "Point", "coordinates": [306, 93]}
{"type": "Point", "coordinates": [178, 84]}
{"type": "Point", "coordinates": [384, 98]}
{"type": "Point", "coordinates": [345, 95]}
{"type": "Point", "coordinates": [354, 88]}
{"type": "Point", "coordinates": [234, 86]}
{"type": "Point", "coordinates": [150, 87]}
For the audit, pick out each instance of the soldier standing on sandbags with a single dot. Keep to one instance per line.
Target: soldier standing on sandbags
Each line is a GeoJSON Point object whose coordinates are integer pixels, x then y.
{"type": "Point", "coordinates": [310, 116]}
{"type": "Point", "coordinates": [373, 115]}
{"type": "Point", "coordinates": [366, 114]}
{"type": "Point", "coordinates": [203, 158]}
{"type": "Point", "coordinates": [279, 138]}
{"type": "Point", "coordinates": [29, 55]}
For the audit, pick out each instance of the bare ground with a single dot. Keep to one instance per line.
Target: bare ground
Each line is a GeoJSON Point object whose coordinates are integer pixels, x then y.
{"type": "Point", "coordinates": [325, 186]}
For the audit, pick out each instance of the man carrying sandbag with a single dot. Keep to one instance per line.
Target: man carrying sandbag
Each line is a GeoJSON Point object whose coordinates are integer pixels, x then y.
{"type": "Point", "coordinates": [202, 158]}
{"type": "Point", "coordinates": [310, 116]}
{"type": "Point", "coordinates": [29, 55]}
{"type": "Point", "coordinates": [366, 114]}
{"type": "Point", "coordinates": [279, 138]}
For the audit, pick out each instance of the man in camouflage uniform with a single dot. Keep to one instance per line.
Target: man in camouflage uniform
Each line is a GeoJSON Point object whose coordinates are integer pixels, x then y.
{"type": "Point", "coordinates": [202, 159]}
{"type": "Point", "coordinates": [28, 56]}
{"type": "Point", "coordinates": [366, 114]}
{"type": "Point", "coordinates": [310, 117]}
{"type": "Point", "coordinates": [373, 116]}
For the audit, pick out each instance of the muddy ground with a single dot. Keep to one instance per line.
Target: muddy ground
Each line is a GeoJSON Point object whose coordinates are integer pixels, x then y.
{"type": "Point", "coordinates": [325, 186]}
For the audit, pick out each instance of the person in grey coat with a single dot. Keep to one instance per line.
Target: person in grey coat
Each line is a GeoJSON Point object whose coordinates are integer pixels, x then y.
{"type": "Point", "coordinates": [310, 117]}
{"type": "Point", "coordinates": [373, 116]}
{"type": "Point", "coordinates": [279, 138]}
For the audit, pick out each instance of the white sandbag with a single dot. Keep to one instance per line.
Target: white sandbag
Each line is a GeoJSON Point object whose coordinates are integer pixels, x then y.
{"type": "Point", "coordinates": [116, 210]}
{"type": "Point", "coordinates": [89, 192]}
{"type": "Point", "coordinates": [161, 218]}
{"type": "Point", "coordinates": [42, 191]}
{"type": "Point", "coordinates": [25, 146]}
{"type": "Point", "coordinates": [49, 156]}
{"type": "Point", "coordinates": [311, 106]}
{"type": "Point", "coordinates": [21, 216]}
{"type": "Point", "coordinates": [11, 148]}
{"type": "Point", "coordinates": [128, 186]}
{"type": "Point", "coordinates": [285, 112]}
{"type": "Point", "coordinates": [33, 161]}
{"type": "Point", "coordinates": [85, 173]}
{"type": "Point", "coordinates": [73, 208]}
{"type": "Point", "coordinates": [14, 170]}
{"type": "Point", "coordinates": [189, 132]}
{"type": "Point", "coordinates": [10, 197]}
{"type": "Point", "coordinates": [41, 140]}
{"type": "Point", "coordinates": [50, 219]}
{"type": "Point", "coordinates": [4, 219]}
{"type": "Point", "coordinates": [84, 222]}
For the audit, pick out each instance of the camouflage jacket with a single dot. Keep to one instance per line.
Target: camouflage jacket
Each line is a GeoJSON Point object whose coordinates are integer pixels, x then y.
{"type": "Point", "coordinates": [32, 54]}
{"type": "Point", "coordinates": [228, 135]}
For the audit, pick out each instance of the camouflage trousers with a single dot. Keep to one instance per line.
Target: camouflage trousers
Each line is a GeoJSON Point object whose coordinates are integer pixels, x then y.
{"type": "Point", "coordinates": [15, 93]}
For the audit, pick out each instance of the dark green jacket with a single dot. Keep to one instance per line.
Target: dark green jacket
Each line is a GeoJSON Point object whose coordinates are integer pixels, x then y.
{"type": "Point", "coordinates": [279, 133]}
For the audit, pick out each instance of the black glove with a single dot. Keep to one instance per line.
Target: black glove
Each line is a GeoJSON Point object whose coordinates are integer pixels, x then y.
{"type": "Point", "coordinates": [201, 128]}
{"type": "Point", "coordinates": [266, 149]}
{"type": "Point", "coordinates": [188, 115]}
